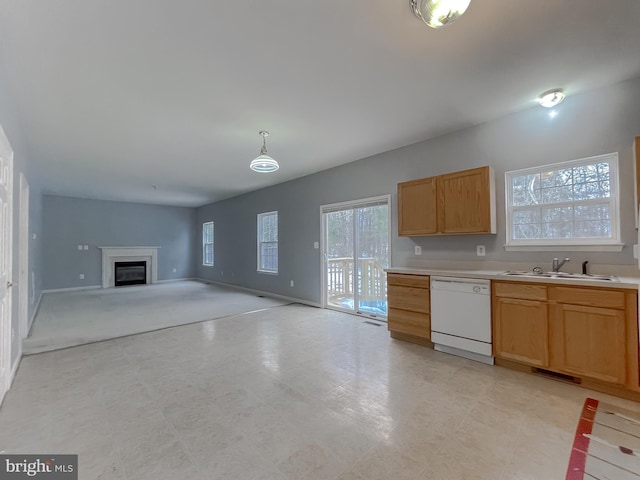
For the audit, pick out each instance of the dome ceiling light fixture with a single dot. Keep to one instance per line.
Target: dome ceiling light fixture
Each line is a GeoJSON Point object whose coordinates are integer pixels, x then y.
{"type": "Point", "coordinates": [439, 13]}
{"type": "Point", "coordinates": [551, 98]}
{"type": "Point", "coordinates": [264, 163]}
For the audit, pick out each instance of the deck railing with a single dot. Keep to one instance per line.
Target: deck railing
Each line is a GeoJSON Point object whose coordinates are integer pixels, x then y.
{"type": "Point", "coordinates": [371, 279]}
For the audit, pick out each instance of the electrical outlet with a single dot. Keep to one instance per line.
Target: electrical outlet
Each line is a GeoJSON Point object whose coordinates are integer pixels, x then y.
{"type": "Point", "coordinates": [85, 247]}
{"type": "Point", "coordinates": [175, 270]}
{"type": "Point", "coordinates": [418, 250]}
{"type": "Point", "coordinates": [480, 250]}
{"type": "Point", "coordinates": [291, 283]}
{"type": "Point", "coordinates": [316, 245]}
{"type": "Point", "coordinates": [81, 276]}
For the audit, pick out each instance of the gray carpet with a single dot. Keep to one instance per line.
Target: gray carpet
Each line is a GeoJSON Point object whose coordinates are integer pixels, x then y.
{"type": "Point", "coordinates": [67, 319]}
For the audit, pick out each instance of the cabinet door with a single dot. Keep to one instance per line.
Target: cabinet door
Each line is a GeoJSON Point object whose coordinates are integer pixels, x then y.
{"type": "Point", "coordinates": [520, 331]}
{"type": "Point", "coordinates": [465, 201]}
{"type": "Point", "coordinates": [417, 207]}
{"type": "Point", "coordinates": [589, 341]}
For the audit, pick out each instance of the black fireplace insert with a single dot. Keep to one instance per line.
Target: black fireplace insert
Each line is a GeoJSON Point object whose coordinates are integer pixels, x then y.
{"type": "Point", "coordinates": [130, 273]}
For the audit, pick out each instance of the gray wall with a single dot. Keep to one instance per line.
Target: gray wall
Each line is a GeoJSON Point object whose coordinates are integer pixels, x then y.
{"type": "Point", "coordinates": [69, 222]}
{"type": "Point", "coordinates": [598, 122]}
{"type": "Point", "coordinates": [11, 125]}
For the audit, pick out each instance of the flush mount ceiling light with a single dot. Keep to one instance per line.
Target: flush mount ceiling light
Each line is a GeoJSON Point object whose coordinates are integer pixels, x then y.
{"type": "Point", "coordinates": [551, 98]}
{"type": "Point", "coordinates": [264, 163]}
{"type": "Point", "coordinates": [439, 13]}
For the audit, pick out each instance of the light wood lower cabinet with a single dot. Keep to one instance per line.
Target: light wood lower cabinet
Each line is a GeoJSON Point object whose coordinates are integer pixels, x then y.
{"type": "Point", "coordinates": [589, 341]}
{"type": "Point", "coordinates": [521, 331]}
{"type": "Point", "coordinates": [586, 332]}
{"type": "Point", "coordinates": [408, 307]}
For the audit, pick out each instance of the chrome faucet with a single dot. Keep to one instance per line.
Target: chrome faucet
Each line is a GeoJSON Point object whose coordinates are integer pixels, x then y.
{"type": "Point", "coordinates": [557, 264]}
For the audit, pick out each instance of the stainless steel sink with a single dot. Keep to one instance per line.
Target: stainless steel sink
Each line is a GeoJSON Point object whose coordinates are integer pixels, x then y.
{"type": "Point", "coordinates": [560, 275]}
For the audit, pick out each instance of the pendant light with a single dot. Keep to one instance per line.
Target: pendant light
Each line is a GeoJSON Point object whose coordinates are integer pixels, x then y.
{"type": "Point", "coordinates": [264, 163]}
{"type": "Point", "coordinates": [439, 13]}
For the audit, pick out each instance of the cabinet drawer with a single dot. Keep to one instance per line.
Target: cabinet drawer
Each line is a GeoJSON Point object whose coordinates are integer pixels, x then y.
{"type": "Point", "coordinates": [421, 281]}
{"type": "Point", "coordinates": [526, 291]}
{"type": "Point", "coordinates": [408, 298]}
{"type": "Point", "coordinates": [592, 297]}
{"type": "Point", "coordinates": [411, 323]}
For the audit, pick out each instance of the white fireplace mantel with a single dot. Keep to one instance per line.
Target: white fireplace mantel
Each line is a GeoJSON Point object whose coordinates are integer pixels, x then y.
{"type": "Point", "coordinates": [111, 255]}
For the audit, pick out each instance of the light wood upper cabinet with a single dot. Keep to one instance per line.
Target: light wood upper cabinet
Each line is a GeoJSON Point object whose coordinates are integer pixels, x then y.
{"type": "Point", "coordinates": [451, 204]}
{"type": "Point", "coordinates": [417, 207]}
{"type": "Point", "coordinates": [520, 323]}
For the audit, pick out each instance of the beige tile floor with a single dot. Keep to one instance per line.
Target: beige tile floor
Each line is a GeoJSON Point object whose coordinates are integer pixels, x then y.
{"type": "Point", "coordinates": [292, 392]}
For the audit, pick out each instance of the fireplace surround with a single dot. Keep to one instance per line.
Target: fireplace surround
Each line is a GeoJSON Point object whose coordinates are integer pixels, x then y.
{"type": "Point", "coordinates": [111, 255]}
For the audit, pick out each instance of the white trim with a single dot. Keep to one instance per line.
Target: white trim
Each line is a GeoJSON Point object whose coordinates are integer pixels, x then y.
{"type": "Point", "coordinates": [261, 292]}
{"type": "Point", "coordinates": [617, 247]}
{"type": "Point", "coordinates": [177, 280]}
{"type": "Point", "coordinates": [259, 242]}
{"type": "Point", "coordinates": [14, 368]}
{"type": "Point", "coordinates": [23, 258]}
{"type": "Point", "coordinates": [593, 244]}
{"type": "Point", "coordinates": [35, 312]}
{"type": "Point", "coordinates": [111, 255]}
{"type": "Point", "coordinates": [334, 207]}
{"type": "Point", "coordinates": [204, 245]}
{"type": "Point", "coordinates": [70, 289]}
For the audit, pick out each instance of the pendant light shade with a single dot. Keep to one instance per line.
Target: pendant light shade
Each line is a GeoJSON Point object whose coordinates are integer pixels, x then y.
{"type": "Point", "coordinates": [263, 163]}
{"type": "Point", "coordinates": [439, 13]}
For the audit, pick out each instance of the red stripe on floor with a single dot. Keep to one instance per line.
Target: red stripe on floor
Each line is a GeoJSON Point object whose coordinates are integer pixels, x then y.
{"type": "Point", "coordinates": [578, 458]}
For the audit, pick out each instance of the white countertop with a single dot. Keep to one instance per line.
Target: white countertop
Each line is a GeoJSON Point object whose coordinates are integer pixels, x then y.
{"type": "Point", "coordinates": [625, 282]}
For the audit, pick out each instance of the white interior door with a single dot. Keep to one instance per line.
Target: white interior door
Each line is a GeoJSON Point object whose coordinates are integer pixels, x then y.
{"type": "Point", "coordinates": [6, 182]}
{"type": "Point", "coordinates": [356, 250]}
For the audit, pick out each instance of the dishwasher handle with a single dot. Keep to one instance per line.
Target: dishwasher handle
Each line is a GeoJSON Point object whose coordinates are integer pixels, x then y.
{"type": "Point", "coordinates": [464, 285]}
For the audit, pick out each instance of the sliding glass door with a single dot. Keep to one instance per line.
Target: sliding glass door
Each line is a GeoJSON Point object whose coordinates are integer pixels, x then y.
{"type": "Point", "coordinates": [356, 251]}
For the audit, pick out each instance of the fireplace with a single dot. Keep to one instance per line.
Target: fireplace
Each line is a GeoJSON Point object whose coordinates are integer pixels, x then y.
{"type": "Point", "coordinates": [130, 273]}
{"type": "Point", "coordinates": [113, 255]}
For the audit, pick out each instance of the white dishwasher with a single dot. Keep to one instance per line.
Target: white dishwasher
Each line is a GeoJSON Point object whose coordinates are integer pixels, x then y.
{"type": "Point", "coordinates": [461, 317]}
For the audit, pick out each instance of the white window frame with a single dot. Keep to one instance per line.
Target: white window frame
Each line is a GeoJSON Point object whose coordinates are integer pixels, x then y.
{"type": "Point", "coordinates": [204, 244]}
{"type": "Point", "coordinates": [576, 244]}
{"type": "Point", "coordinates": [260, 218]}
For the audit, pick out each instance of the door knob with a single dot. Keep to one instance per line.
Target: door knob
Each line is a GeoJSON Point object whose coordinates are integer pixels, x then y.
{"type": "Point", "coordinates": [9, 284]}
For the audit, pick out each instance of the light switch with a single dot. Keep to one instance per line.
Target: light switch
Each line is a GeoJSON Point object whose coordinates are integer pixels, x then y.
{"type": "Point", "coordinates": [86, 247]}
{"type": "Point", "coordinates": [418, 250]}
{"type": "Point", "coordinates": [81, 276]}
{"type": "Point", "coordinates": [79, 247]}
{"type": "Point", "coordinates": [316, 245]}
{"type": "Point", "coordinates": [480, 250]}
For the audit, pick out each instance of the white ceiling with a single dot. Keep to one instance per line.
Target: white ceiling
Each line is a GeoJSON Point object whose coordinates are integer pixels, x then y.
{"type": "Point", "coordinates": [115, 96]}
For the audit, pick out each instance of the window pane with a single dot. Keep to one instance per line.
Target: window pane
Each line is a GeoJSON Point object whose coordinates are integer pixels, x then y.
{"type": "Point", "coordinates": [575, 200]}
{"type": "Point", "coordinates": [268, 242]}
{"type": "Point", "coordinates": [526, 190]}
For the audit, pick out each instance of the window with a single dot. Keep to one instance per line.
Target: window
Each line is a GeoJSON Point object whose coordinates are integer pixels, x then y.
{"type": "Point", "coordinates": [207, 243]}
{"type": "Point", "coordinates": [566, 204]}
{"type": "Point", "coordinates": [268, 242]}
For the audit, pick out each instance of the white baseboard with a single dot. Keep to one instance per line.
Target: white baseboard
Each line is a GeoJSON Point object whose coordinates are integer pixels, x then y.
{"type": "Point", "coordinates": [33, 315]}
{"type": "Point", "coordinates": [72, 289]}
{"type": "Point", "coordinates": [260, 292]}
{"type": "Point", "coordinates": [14, 367]}
{"type": "Point", "coordinates": [176, 280]}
